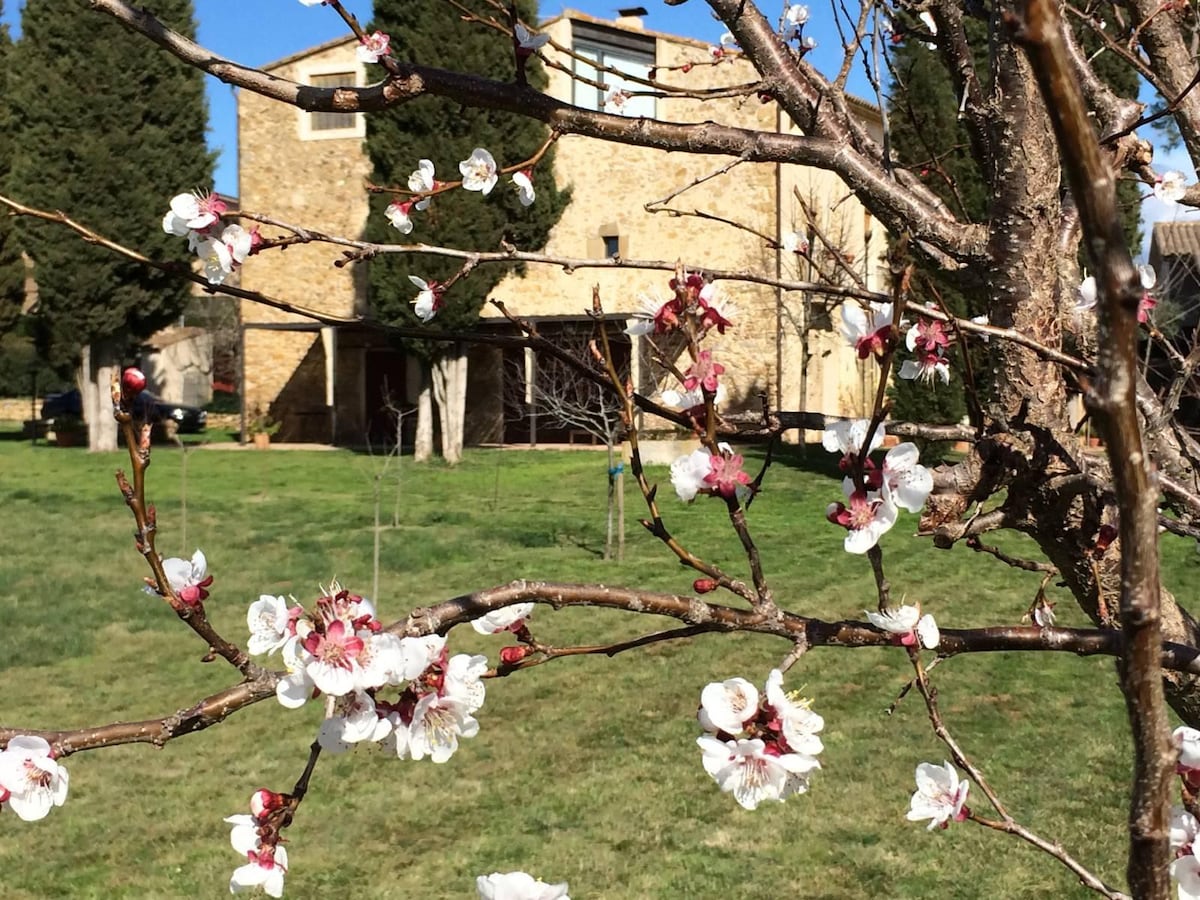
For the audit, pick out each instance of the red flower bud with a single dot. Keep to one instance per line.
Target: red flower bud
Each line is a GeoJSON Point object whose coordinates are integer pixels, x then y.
{"type": "Point", "coordinates": [263, 801]}
{"type": "Point", "coordinates": [510, 656]}
{"type": "Point", "coordinates": [133, 381]}
{"type": "Point", "coordinates": [704, 585]}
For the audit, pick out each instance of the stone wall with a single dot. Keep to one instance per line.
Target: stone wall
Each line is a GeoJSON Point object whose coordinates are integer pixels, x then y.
{"type": "Point", "coordinates": [17, 409]}
{"type": "Point", "coordinates": [309, 178]}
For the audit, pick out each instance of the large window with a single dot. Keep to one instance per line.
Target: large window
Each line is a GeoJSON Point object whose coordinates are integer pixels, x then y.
{"type": "Point", "coordinates": [318, 125]}
{"type": "Point", "coordinates": [627, 53]}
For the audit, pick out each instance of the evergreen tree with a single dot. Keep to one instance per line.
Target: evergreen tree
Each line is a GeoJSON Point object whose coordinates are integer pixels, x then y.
{"type": "Point", "coordinates": [446, 133]}
{"type": "Point", "coordinates": [109, 127]}
{"type": "Point", "coordinates": [12, 267]}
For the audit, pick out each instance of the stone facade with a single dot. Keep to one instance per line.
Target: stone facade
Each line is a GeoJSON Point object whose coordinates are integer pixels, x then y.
{"type": "Point", "coordinates": [304, 176]}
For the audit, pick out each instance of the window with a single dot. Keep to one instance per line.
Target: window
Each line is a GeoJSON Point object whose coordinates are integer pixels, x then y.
{"type": "Point", "coordinates": [320, 125]}
{"type": "Point", "coordinates": [627, 53]}
{"type": "Point", "coordinates": [612, 246]}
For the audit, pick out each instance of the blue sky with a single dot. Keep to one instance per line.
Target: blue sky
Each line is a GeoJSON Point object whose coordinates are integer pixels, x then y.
{"type": "Point", "coordinates": [256, 32]}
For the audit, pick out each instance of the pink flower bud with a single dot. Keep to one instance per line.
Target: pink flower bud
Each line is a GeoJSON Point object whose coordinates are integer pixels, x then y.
{"type": "Point", "coordinates": [133, 381]}
{"type": "Point", "coordinates": [704, 585]}
{"type": "Point", "coordinates": [510, 656]}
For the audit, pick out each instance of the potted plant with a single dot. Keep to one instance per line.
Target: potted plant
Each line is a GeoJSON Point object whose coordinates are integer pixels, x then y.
{"type": "Point", "coordinates": [69, 430]}
{"type": "Point", "coordinates": [261, 426]}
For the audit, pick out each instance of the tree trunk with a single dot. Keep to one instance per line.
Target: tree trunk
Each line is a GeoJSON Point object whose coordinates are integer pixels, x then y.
{"type": "Point", "coordinates": [97, 369]}
{"type": "Point", "coordinates": [423, 442]}
{"type": "Point", "coordinates": [450, 392]}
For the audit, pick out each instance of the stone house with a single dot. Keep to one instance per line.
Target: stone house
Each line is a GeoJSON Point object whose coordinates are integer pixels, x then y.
{"type": "Point", "coordinates": [328, 384]}
{"type": "Point", "coordinates": [1175, 258]}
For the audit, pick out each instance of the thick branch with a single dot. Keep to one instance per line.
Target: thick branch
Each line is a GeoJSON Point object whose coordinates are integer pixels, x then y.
{"type": "Point", "coordinates": [1113, 402]}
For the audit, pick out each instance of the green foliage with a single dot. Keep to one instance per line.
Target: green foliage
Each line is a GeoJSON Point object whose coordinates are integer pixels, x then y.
{"type": "Point", "coordinates": [446, 133]}
{"type": "Point", "coordinates": [22, 370]}
{"type": "Point", "coordinates": [12, 268]}
{"type": "Point", "coordinates": [107, 127]}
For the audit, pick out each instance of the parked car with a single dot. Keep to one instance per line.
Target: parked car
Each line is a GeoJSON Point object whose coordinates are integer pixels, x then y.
{"type": "Point", "coordinates": [147, 406]}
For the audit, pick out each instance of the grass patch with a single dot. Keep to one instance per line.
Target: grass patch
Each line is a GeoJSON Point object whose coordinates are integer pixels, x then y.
{"type": "Point", "coordinates": [584, 770]}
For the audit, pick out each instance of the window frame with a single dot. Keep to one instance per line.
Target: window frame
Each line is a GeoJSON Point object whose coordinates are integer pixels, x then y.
{"type": "Point", "coordinates": [612, 47]}
{"type": "Point", "coordinates": [356, 131]}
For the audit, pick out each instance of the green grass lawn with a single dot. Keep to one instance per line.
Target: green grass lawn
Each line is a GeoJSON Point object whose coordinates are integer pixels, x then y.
{"type": "Point", "coordinates": [585, 770]}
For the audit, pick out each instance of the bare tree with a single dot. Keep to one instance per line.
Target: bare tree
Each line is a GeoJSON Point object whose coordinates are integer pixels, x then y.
{"type": "Point", "coordinates": [549, 391]}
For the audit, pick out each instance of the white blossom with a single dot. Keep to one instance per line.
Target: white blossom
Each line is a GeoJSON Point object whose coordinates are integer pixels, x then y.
{"type": "Point", "coordinates": [906, 482]}
{"type": "Point", "coordinates": [688, 473]}
{"type": "Point", "coordinates": [464, 680]}
{"type": "Point", "coordinates": [267, 620]}
{"type": "Point", "coordinates": [34, 781]}
{"type": "Point", "coordinates": [438, 723]}
{"type": "Point", "coordinates": [397, 215]}
{"type": "Point", "coordinates": [502, 619]}
{"type": "Point", "coordinates": [1170, 187]}
{"type": "Point", "coordinates": [728, 705]}
{"type": "Point", "coordinates": [753, 776]}
{"type": "Point", "coordinates": [939, 797]}
{"type": "Point", "coordinates": [373, 46]}
{"type": "Point", "coordinates": [265, 869]}
{"type": "Point", "coordinates": [479, 171]}
{"type": "Point", "coordinates": [1188, 741]}
{"type": "Point", "coordinates": [907, 623]}
{"type": "Point", "coordinates": [518, 886]}
{"type": "Point", "coordinates": [847, 436]}
{"type": "Point", "coordinates": [798, 724]}
{"type": "Point", "coordinates": [421, 181]}
{"type": "Point", "coordinates": [426, 305]}
{"type": "Point", "coordinates": [524, 183]}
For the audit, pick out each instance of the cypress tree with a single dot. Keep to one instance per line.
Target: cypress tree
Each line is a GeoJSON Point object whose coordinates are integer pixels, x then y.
{"type": "Point", "coordinates": [108, 128]}
{"type": "Point", "coordinates": [12, 268]}
{"type": "Point", "coordinates": [446, 133]}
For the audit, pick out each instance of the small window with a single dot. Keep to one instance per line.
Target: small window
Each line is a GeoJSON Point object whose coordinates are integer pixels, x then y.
{"type": "Point", "coordinates": [612, 246]}
{"type": "Point", "coordinates": [322, 125]}
{"type": "Point", "coordinates": [331, 121]}
{"type": "Point", "coordinates": [629, 54]}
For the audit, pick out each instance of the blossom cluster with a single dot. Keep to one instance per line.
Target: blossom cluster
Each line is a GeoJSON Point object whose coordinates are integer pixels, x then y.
{"type": "Point", "coordinates": [256, 838]}
{"type": "Point", "coordinates": [1185, 867]}
{"type": "Point", "coordinates": [479, 173]}
{"type": "Point", "coordinates": [408, 694]}
{"type": "Point", "coordinates": [758, 748]}
{"type": "Point", "coordinates": [31, 781]}
{"type": "Point", "coordinates": [870, 509]}
{"type": "Point", "coordinates": [927, 341]}
{"type": "Point", "coordinates": [221, 248]}
{"type": "Point", "coordinates": [694, 302]}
